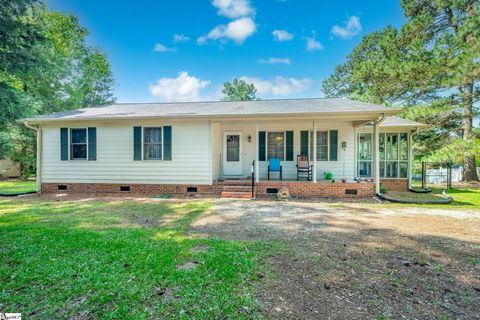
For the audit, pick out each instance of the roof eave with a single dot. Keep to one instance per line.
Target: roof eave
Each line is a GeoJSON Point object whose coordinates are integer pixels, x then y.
{"type": "Point", "coordinates": [386, 112]}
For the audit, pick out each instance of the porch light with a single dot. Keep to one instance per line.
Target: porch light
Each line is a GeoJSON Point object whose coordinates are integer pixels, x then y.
{"type": "Point", "coordinates": [249, 138]}
{"type": "Point", "coordinates": [344, 145]}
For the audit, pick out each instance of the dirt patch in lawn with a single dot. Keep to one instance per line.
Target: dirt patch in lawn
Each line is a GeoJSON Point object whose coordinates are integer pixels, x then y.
{"type": "Point", "coordinates": [346, 261]}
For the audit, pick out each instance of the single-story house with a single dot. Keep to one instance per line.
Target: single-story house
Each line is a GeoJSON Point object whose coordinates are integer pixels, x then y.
{"type": "Point", "coordinates": [217, 147]}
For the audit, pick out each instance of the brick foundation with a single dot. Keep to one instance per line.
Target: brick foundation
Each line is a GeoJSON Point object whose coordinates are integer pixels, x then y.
{"type": "Point", "coordinates": [395, 184]}
{"type": "Point", "coordinates": [301, 189]}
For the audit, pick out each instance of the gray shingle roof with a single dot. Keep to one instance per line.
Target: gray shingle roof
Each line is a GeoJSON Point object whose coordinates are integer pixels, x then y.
{"type": "Point", "coordinates": [219, 109]}
{"type": "Point", "coordinates": [395, 121]}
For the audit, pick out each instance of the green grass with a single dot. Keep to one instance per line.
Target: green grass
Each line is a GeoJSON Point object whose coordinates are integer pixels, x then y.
{"type": "Point", "coordinates": [14, 186]}
{"type": "Point", "coordinates": [105, 259]}
{"type": "Point", "coordinates": [462, 198]}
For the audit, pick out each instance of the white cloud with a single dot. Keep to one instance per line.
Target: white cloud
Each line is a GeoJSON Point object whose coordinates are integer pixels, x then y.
{"type": "Point", "coordinates": [234, 8]}
{"type": "Point", "coordinates": [177, 38]}
{"type": "Point", "coordinates": [162, 48]}
{"type": "Point", "coordinates": [313, 44]}
{"type": "Point", "coordinates": [274, 61]}
{"type": "Point", "coordinates": [282, 35]}
{"type": "Point", "coordinates": [278, 86]}
{"type": "Point", "coordinates": [237, 30]}
{"type": "Point", "coordinates": [352, 28]}
{"type": "Point", "coordinates": [182, 88]}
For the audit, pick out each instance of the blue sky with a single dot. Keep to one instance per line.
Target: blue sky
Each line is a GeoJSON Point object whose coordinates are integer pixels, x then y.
{"type": "Point", "coordinates": [285, 47]}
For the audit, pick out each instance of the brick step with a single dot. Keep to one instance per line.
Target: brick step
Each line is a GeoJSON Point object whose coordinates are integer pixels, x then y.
{"type": "Point", "coordinates": [235, 195]}
{"type": "Point", "coordinates": [242, 188]}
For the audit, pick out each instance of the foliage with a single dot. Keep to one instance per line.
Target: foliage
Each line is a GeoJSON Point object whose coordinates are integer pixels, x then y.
{"type": "Point", "coordinates": [239, 90]}
{"type": "Point", "coordinates": [431, 67]}
{"type": "Point", "coordinates": [128, 258]}
{"type": "Point", "coordinates": [45, 66]}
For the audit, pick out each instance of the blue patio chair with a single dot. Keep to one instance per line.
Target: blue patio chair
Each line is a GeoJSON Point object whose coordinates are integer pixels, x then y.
{"type": "Point", "coordinates": [274, 165]}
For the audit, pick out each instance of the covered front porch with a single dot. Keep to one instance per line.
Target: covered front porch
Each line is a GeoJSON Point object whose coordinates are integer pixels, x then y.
{"type": "Point", "coordinates": [244, 148]}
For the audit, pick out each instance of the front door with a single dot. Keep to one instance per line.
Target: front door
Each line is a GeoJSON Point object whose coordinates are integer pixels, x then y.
{"type": "Point", "coordinates": [232, 154]}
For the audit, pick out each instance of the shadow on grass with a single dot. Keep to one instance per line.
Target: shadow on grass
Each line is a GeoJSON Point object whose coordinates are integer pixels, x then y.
{"type": "Point", "coordinates": [118, 259]}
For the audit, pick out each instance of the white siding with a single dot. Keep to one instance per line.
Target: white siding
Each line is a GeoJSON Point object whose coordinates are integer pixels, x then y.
{"type": "Point", "coordinates": [345, 133]}
{"type": "Point", "coordinates": [190, 162]}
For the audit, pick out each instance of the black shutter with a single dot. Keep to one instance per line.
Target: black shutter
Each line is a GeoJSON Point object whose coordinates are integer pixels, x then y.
{"type": "Point", "coordinates": [92, 144]}
{"type": "Point", "coordinates": [304, 143]}
{"type": "Point", "coordinates": [289, 145]}
{"type": "Point", "coordinates": [261, 145]}
{"type": "Point", "coordinates": [333, 145]}
{"type": "Point", "coordinates": [64, 144]}
{"type": "Point", "coordinates": [137, 143]}
{"type": "Point", "coordinates": [167, 143]}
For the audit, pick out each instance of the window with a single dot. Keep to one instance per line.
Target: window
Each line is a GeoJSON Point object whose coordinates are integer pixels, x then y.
{"type": "Point", "coordinates": [78, 144]}
{"type": "Point", "coordinates": [233, 147]}
{"type": "Point", "coordinates": [275, 145]}
{"type": "Point", "coordinates": [393, 149]}
{"type": "Point", "coordinates": [152, 143]}
{"type": "Point", "coordinates": [322, 145]}
{"type": "Point", "coordinates": [365, 154]}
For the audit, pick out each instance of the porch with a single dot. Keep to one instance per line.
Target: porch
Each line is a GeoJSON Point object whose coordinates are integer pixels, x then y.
{"type": "Point", "coordinates": [331, 145]}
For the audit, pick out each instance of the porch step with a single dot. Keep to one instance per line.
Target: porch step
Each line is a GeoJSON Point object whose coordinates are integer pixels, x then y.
{"type": "Point", "coordinates": [239, 188]}
{"type": "Point", "coordinates": [235, 195]}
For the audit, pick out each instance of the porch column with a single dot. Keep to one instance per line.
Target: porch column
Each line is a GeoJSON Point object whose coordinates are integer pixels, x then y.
{"type": "Point", "coordinates": [314, 178]}
{"type": "Point", "coordinates": [257, 163]}
{"type": "Point", "coordinates": [376, 158]}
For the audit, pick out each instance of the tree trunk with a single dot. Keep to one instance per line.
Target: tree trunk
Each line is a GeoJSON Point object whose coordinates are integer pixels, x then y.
{"type": "Point", "coordinates": [469, 163]}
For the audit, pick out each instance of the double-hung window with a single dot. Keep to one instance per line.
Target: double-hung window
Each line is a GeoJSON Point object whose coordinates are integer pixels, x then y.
{"type": "Point", "coordinates": [78, 144]}
{"type": "Point", "coordinates": [152, 143]}
{"type": "Point", "coordinates": [322, 145]}
{"type": "Point", "coordinates": [276, 145]}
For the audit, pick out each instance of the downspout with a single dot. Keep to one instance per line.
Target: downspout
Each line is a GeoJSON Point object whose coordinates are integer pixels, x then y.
{"type": "Point", "coordinates": [38, 172]}
{"type": "Point", "coordinates": [376, 140]}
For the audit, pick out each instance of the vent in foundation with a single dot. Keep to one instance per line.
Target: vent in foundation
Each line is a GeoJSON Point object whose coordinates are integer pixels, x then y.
{"type": "Point", "coordinates": [62, 187]}
{"type": "Point", "coordinates": [125, 188]}
{"type": "Point", "coordinates": [351, 191]}
{"type": "Point", "coordinates": [191, 189]}
{"type": "Point", "coordinates": [272, 190]}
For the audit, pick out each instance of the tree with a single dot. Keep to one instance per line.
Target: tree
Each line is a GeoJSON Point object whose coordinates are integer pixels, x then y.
{"type": "Point", "coordinates": [47, 67]}
{"type": "Point", "coordinates": [431, 67]}
{"type": "Point", "coordinates": [239, 90]}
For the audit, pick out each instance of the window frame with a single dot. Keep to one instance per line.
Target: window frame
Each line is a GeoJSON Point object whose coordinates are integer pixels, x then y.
{"type": "Point", "coordinates": [310, 144]}
{"type": "Point", "coordinates": [384, 161]}
{"type": "Point", "coordinates": [162, 143]}
{"type": "Point", "coordinates": [284, 132]}
{"type": "Point", "coordinates": [70, 144]}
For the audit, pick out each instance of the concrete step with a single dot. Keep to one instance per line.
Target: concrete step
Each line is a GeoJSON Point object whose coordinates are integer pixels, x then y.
{"type": "Point", "coordinates": [236, 195]}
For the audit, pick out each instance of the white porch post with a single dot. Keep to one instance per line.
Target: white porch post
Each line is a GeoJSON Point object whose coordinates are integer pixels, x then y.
{"type": "Point", "coordinates": [376, 158]}
{"type": "Point", "coordinates": [257, 163]}
{"type": "Point", "coordinates": [38, 172]}
{"type": "Point", "coordinates": [314, 178]}
{"type": "Point", "coordinates": [409, 170]}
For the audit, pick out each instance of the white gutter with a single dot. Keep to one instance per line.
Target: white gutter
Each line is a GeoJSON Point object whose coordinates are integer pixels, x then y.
{"type": "Point", "coordinates": [38, 172]}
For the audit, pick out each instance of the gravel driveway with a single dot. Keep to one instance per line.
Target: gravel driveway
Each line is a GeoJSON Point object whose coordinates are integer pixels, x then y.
{"type": "Point", "coordinates": [358, 261]}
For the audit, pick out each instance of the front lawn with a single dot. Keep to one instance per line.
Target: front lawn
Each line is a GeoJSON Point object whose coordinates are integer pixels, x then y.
{"type": "Point", "coordinates": [14, 186]}
{"type": "Point", "coordinates": [120, 259]}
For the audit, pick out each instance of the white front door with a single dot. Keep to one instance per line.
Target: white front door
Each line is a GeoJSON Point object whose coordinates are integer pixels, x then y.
{"type": "Point", "coordinates": [232, 154]}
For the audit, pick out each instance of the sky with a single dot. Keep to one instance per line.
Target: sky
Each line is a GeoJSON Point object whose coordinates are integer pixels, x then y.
{"type": "Point", "coordinates": [179, 50]}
